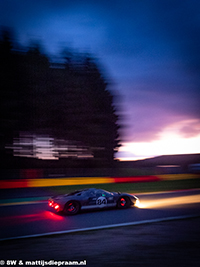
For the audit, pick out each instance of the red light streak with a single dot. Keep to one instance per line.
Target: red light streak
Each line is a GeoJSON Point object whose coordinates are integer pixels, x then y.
{"type": "Point", "coordinates": [29, 218]}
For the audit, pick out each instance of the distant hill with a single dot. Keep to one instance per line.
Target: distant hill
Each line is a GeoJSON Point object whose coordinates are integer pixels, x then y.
{"type": "Point", "coordinates": [182, 160]}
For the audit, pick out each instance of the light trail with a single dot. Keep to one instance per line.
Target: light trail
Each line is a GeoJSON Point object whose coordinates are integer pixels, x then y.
{"type": "Point", "coordinates": [166, 202]}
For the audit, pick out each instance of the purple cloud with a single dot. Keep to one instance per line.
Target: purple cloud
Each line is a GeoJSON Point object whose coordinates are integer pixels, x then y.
{"type": "Point", "coordinates": [150, 49]}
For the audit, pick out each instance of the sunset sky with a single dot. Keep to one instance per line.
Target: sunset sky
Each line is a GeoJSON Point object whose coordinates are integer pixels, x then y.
{"type": "Point", "coordinates": [149, 50]}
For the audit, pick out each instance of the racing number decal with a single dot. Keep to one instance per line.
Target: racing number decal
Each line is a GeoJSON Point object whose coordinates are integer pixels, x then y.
{"type": "Point", "coordinates": [101, 201]}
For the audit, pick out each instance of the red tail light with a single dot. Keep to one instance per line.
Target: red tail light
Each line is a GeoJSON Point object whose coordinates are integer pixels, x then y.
{"type": "Point", "coordinates": [50, 203]}
{"type": "Point", "coordinates": [56, 207]}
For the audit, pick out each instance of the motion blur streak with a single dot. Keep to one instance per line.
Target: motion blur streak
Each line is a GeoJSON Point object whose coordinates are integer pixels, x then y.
{"type": "Point", "coordinates": [52, 216]}
{"type": "Point", "coordinates": [28, 218]}
{"type": "Point", "coordinates": [166, 202]}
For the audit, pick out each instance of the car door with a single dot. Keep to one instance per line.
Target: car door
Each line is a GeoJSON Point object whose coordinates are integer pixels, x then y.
{"type": "Point", "coordinates": [99, 199]}
{"type": "Point", "coordinates": [104, 199]}
{"type": "Point", "coordinates": [110, 201]}
{"type": "Point", "coordinates": [96, 199]}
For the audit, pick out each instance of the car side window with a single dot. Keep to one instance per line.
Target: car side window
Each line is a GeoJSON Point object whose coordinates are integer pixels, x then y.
{"type": "Point", "coordinates": [91, 194]}
{"type": "Point", "coordinates": [95, 193]}
{"type": "Point", "coordinates": [98, 193]}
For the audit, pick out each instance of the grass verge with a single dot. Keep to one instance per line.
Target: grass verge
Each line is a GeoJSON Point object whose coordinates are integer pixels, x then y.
{"type": "Point", "coordinates": [135, 187]}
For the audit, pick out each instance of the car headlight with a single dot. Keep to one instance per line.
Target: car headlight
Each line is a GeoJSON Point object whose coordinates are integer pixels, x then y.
{"type": "Point", "coordinates": [137, 203]}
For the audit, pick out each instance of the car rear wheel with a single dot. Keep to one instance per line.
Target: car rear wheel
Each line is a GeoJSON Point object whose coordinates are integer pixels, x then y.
{"type": "Point", "coordinates": [72, 208]}
{"type": "Point", "coordinates": [123, 203]}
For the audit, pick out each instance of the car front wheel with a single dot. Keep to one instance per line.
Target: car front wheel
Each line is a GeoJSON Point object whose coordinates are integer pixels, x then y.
{"type": "Point", "coordinates": [123, 203]}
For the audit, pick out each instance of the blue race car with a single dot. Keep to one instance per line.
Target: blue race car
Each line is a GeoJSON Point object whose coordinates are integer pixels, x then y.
{"type": "Point", "coordinates": [92, 198]}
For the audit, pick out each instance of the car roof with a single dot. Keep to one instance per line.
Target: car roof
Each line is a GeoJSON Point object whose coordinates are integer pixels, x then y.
{"type": "Point", "coordinates": [81, 190]}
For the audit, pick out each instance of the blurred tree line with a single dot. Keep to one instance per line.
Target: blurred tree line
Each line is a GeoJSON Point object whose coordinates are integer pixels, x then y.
{"type": "Point", "coordinates": [54, 110]}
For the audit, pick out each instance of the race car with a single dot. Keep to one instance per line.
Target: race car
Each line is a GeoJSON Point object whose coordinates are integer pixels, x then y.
{"type": "Point", "coordinates": [91, 198]}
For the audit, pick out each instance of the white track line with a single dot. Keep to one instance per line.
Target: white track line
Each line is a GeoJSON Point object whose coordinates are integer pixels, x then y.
{"type": "Point", "coordinates": [104, 227]}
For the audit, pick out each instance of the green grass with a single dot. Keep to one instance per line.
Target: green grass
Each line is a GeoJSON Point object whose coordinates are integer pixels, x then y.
{"type": "Point", "coordinates": [135, 187]}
